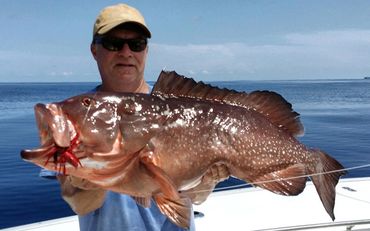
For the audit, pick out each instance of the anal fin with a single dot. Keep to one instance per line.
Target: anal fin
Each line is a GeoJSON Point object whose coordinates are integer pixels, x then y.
{"type": "Point", "coordinates": [288, 181]}
{"type": "Point", "coordinates": [215, 174]}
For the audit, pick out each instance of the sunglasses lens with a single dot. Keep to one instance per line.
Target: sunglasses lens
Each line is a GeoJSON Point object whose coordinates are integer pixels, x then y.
{"type": "Point", "coordinates": [137, 44]}
{"type": "Point", "coordinates": [111, 44]}
{"type": "Point", "coordinates": [116, 44]}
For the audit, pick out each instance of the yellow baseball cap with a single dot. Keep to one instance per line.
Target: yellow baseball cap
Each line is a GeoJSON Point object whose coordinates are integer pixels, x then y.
{"type": "Point", "coordinates": [115, 15]}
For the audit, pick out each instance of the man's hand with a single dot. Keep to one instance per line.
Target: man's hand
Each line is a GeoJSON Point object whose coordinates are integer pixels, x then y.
{"type": "Point", "coordinates": [77, 182]}
{"type": "Point", "coordinates": [81, 195]}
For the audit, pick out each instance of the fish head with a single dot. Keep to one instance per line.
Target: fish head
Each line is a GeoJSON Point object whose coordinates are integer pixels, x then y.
{"type": "Point", "coordinates": [88, 121]}
{"type": "Point", "coordinates": [55, 130]}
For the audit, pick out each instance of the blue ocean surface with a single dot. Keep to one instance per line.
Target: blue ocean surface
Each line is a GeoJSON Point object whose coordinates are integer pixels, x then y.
{"type": "Point", "coordinates": [335, 113]}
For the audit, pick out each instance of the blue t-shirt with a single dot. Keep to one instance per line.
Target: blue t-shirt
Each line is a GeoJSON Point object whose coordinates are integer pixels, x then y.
{"type": "Point", "coordinates": [121, 212]}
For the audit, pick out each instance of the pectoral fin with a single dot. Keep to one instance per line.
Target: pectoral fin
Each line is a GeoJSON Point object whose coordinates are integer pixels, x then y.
{"type": "Point", "coordinates": [168, 188]}
{"type": "Point", "coordinates": [177, 209]}
{"type": "Point", "coordinates": [143, 201]}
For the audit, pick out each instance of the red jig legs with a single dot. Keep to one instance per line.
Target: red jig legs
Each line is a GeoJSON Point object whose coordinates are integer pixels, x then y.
{"type": "Point", "coordinates": [63, 155]}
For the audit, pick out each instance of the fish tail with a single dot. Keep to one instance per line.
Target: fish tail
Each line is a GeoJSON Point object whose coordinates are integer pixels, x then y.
{"type": "Point", "coordinates": [325, 176]}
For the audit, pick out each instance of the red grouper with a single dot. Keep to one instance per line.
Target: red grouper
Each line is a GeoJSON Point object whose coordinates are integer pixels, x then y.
{"type": "Point", "coordinates": [165, 144]}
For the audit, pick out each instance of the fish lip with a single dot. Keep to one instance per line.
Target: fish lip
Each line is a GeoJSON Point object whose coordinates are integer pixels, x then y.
{"type": "Point", "coordinates": [30, 154]}
{"type": "Point", "coordinates": [26, 154]}
{"type": "Point", "coordinates": [55, 130]}
{"type": "Point", "coordinates": [53, 125]}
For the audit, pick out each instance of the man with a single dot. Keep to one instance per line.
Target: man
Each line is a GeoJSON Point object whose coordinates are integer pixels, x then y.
{"type": "Point", "coordinates": [120, 49]}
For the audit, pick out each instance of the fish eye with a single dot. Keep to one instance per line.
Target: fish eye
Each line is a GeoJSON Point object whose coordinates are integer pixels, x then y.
{"type": "Point", "coordinates": [86, 102]}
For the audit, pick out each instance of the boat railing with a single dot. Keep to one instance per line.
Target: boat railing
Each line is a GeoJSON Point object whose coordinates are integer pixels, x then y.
{"type": "Point", "coordinates": [349, 225]}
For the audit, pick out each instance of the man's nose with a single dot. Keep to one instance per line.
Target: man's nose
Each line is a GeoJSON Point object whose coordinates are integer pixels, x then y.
{"type": "Point", "coordinates": [125, 51]}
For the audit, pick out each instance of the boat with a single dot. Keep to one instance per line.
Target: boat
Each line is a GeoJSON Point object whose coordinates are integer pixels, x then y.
{"type": "Point", "coordinates": [367, 77]}
{"type": "Point", "coordinates": [257, 209]}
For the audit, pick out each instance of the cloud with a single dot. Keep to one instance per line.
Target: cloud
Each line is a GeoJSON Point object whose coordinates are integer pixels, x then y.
{"type": "Point", "coordinates": [63, 73]}
{"type": "Point", "coordinates": [321, 54]}
{"type": "Point", "coordinates": [35, 67]}
{"type": "Point", "coordinates": [331, 38]}
{"type": "Point", "coordinates": [331, 54]}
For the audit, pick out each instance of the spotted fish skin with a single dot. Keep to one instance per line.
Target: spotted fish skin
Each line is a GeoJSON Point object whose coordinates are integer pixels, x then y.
{"type": "Point", "coordinates": [167, 145]}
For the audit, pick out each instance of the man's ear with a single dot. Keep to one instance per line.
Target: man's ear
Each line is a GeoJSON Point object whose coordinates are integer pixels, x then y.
{"type": "Point", "coordinates": [93, 50]}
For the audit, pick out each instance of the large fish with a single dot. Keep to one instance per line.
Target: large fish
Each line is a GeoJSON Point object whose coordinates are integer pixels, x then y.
{"type": "Point", "coordinates": [168, 145]}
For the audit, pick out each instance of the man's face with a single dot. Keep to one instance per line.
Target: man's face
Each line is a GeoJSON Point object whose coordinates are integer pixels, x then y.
{"type": "Point", "coordinates": [122, 68]}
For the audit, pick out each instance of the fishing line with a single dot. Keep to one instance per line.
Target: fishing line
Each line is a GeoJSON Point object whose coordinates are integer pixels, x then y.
{"type": "Point", "coordinates": [282, 179]}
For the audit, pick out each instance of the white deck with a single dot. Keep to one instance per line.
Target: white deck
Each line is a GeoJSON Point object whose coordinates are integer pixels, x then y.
{"type": "Point", "coordinates": [257, 209]}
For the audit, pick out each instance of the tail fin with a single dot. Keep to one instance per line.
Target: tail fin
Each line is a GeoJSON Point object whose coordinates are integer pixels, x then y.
{"type": "Point", "coordinates": [325, 176]}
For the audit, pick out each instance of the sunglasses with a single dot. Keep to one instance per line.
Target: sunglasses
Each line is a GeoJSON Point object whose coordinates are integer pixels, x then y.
{"type": "Point", "coordinates": [116, 44]}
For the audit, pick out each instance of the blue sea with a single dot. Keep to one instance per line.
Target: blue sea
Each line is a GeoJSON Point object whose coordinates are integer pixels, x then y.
{"type": "Point", "coordinates": [335, 113]}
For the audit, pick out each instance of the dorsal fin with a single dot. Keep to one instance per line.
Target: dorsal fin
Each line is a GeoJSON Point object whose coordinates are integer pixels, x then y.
{"type": "Point", "coordinates": [270, 104]}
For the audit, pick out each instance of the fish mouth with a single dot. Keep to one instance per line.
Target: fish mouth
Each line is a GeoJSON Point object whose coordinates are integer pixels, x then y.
{"type": "Point", "coordinates": [56, 132]}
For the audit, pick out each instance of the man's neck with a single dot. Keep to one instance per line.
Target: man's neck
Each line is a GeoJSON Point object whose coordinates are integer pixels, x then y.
{"type": "Point", "coordinates": [141, 87]}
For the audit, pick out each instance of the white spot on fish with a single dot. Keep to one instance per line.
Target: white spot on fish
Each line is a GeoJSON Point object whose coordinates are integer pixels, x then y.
{"type": "Point", "coordinates": [61, 123]}
{"type": "Point", "coordinates": [233, 130]}
{"type": "Point", "coordinates": [189, 113]}
{"type": "Point", "coordinates": [217, 120]}
{"type": "Point", "coordinates": [96, 114]}
{"type": "Point", "coordinates": [94, 130]}
{"type": "Point", "coordinates": [161, 97]}
{"type": "Point", "coordinates": [89, 163]}
{"type": "Point", "coordinates": [180, 122]}
{"type": "Point", "coordinates": [112, 99]}
{"type": "Point", "coordinates": [167, 112]}
{"type": "Point", "coordinates": [138, 107]}
{"type": "Point", "coordinates": [154, 126]}
{"type": "Point", "coordinates": [113, 120]}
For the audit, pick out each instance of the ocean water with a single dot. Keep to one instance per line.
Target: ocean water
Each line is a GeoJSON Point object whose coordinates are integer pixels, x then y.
{"type": "Point", "coordinates": [335, 113]}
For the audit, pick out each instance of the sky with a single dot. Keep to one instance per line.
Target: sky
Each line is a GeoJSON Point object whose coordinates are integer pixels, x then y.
{"type": "Point", "coordinates": [209, 40]}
